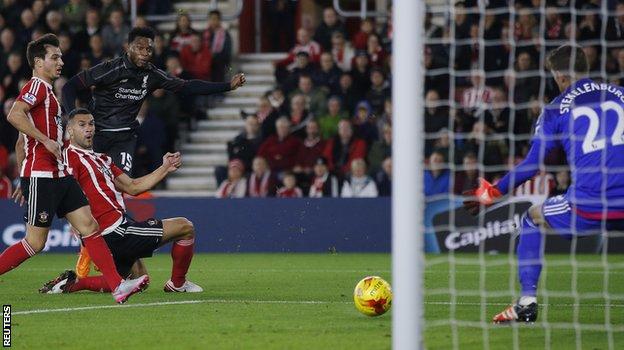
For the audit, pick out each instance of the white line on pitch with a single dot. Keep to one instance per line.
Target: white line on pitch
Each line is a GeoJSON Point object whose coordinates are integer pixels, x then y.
{"type": "Point", "coordinates": [224, 301]}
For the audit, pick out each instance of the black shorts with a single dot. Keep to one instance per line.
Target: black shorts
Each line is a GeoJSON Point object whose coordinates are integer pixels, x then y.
{"type": "Point", "coordinates": [48, 196]}
{"type": "Point", "coordinates": [119, 145]}
{"type": "Point", "coordinates": [134, 240]}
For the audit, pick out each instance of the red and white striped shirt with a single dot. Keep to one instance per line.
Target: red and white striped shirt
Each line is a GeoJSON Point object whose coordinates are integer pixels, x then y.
{"type": "Point", "coordinates": [95, 172]}
{"type": "Point", "coordinates": [45, 114]}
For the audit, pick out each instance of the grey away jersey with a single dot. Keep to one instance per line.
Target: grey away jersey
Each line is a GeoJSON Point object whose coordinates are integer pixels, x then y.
{"type": "Point", "coordinates": [120, 89]}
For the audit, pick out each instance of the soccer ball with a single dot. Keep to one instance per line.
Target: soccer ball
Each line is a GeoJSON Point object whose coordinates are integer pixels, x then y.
{"type": "Point", "coordinates": [372, 296]}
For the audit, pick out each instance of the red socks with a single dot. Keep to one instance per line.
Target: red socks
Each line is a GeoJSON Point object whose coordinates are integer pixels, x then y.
{"type": "Point", "coordinates": [182, 254]}
{"type": "Point", "coordinates": [15, 255]}
{"type": "Point", "coordinates": [101, 256]}
{"type": "Point", "coordinates": [92, 283]}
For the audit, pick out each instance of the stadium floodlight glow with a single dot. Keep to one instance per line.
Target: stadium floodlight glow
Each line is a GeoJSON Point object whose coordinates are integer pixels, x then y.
{"type": "Point", "coordinates": [407, 184]}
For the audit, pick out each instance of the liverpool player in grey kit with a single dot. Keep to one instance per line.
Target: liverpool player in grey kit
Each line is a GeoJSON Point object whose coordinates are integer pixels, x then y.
{"type": "Point", "coordinates": [121, 86]}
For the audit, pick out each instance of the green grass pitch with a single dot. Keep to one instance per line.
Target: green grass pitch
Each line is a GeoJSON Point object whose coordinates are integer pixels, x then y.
{"type": "Point", "coordinates": [304, 301]}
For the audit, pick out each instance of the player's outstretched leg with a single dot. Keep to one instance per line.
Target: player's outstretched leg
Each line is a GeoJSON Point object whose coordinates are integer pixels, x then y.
{"type": "Point", "coordinates": [89, 230]}
{"type": "Point", "coordinates": [69, 282]}
{"type": "Point", "coordinates": [19, 252]}
{"type": "Point", "coordinates": [182, 232]}
{"type": "Point", "coordinates": [530, 253]}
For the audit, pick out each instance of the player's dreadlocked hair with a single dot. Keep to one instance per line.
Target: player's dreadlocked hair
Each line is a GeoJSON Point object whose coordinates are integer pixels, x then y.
{"type": "Point", "coordinates": [74, 112]}
{"type": "Point", "coordinates": [143, 32]}
{"type": "Point", "coordinates": [560, 59]}
{"type": "Point", "coordinates": [37, 48]}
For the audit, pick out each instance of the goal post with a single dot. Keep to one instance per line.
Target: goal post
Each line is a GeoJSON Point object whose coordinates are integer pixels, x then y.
{"type": "Point", "coordinates": [407, 192]}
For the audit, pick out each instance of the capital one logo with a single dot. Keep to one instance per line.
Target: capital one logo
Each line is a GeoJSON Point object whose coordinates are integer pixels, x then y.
{"type": "Point", "coordinates": [56, 238]}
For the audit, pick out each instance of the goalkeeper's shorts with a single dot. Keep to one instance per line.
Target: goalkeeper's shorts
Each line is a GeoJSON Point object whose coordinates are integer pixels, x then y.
{"type": "Point", "coordinates": [560, 214]}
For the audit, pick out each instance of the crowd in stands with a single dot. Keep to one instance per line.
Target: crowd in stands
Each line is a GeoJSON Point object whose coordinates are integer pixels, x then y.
{"type": "Point", "coordinates": [93, 31]}
{"type": "Point", "coordinates": [325, 129]}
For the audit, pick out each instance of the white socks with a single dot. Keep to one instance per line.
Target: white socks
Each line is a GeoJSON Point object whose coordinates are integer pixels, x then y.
{"type": "Point", "coordinates": [527, 300]}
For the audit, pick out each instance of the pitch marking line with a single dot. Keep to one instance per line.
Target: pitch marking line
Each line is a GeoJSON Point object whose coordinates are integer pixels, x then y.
{"type": "Point", "coordinates": [224, 301]}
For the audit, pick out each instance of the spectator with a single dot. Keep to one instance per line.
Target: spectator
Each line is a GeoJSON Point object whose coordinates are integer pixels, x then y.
{"type": "Point", "coordinates": [115, 33]}
{"type": "Point", "coordinates": [289, 188]}
{"type": "Point", "coordinates": [361, 74]}
{"type": "Point", "coordinates": [74, 13]}
{"type": "Point", "coordinates": [311, 148]}
{"type": "Point", "coordinates": [364, 123]}
{"type": "Point", "coordinates": [328, 123]}
{"type": "Point", "coordinates": [181, 36]}
{"type": "Point", "coordinates": [554, 26]}
{"type": "Point", "coordinates": [280, 24]}
{"type": "Point", "coordinates": [246, 144]}
{"type": "Point", "coordinates": [346, 92]}
{"type": "Point", "coordinates": [28, 24]}
{"type": "Point", "coordinates": [262, 182]}
{"type": "Point", "coordinates": [380, 150]}
{"type": "Point", "coordinates": [219, 41]}
{"type": "Point", "coordinates": [299, 115]}
{"type": "Point", "coordinates": [358, 184]}
{"type": "Point", "coordinates": [360, 38]}
{"type": "Point", "coordinates": [436, 117]}
{"type": "Point", "coordinates": [267, 115]}
{"type": "Point", "coordinates": [71, 58]}
{"type": "Point", "coordinates": [590, 27]}
{"type": "Point", "coordinates": [379, 91]}
{"type": "Point", "coordinates": [342, 51]}
{"type": "Point", "coordinates": [196, 58]}
{"type": "Point", "coordinates": [328, 75]}
{"type": "Point", "coordinates": [593, 61]}
{"type": "Point", "coordinates": [281, 149]}
{"type": "Point", "coordinates": [343, 148]}
{"type": "Point", "coordinates": [303, 67]}
{"type": "Point", "coordinates": [277, 98]}
{"type": "Point", "coordinates": [324, 184]}
{"type": "Point", "coordinates": [386, 117]}
{"type": "Point", "coordinates": [58, 87]}
{"type": "Point", "coordinates": [498, 115]}
{"type": "Point", "coordinates": [384, 178]}
{"type": "Point", "coordinates": [377, 54]}
{"type": "Point", "coordinates": [92, 26]}
{"type": "Point", "coordinates": [8, 45]}
{"type": "Point", "coordinates": [161, 52]}
{"type": "Point", "coordinates": [315, 99]}
{"type": "Point", "coordinates": [467, 179]}
{"type": "Point", "coordinates": [304, 43]}
{"type": "Point", "coordinates": [615, 26]}
{"type": "Point", "coordinates": [6, 188]}
{"type": "Point", "coordinates": [331, 23]}
{"type": "Point", "coordinates": [4, 160]}
{"type": "Point", "coordinates": [54, 23]}
{"type": "Point", "coordinates": [562, 179]}
{"type": "Point", "coordinates": [437, 176]}
{"type": "Point", "coordinates": [165, 106]}
{"type": "Point", "coordinates": [479, 143]}
{"type": "Point", "coordinates": [527, 80]}
{"type": "Point", "coordinates": [387, 30]}
{"type": "Point", "coordinates": [13, 74]}
{"type": "Point", "coordinates": [235, 186]}
{"type": "Point", "coordinates": [97, 53]}
{"type": "Point", "coordinates": [476, 98]}
{"type": "Point", "coordinates": [108, 6]}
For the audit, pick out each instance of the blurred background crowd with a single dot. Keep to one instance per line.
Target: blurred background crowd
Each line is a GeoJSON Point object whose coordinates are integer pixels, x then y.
{"type": "Point", "coordinates": [325, 128]}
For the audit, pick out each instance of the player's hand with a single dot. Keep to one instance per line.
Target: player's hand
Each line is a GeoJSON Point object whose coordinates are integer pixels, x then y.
{"type": "Point", "coordinates": [54, 148]}
{"type": "Point", "coordinates": [237, 81]}
{"type": "Point", "coordinates": [484, 195]}
{"type": "Point", "coordinates": [18, 196]}
{"type": "Point", "coordinates": [172, 161]}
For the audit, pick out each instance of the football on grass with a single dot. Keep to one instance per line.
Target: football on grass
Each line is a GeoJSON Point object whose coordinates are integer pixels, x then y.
{"type": "Point", "coordinates": [372, 296]}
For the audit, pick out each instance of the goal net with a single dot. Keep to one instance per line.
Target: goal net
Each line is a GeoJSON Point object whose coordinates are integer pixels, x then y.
{"type": "Point", "coordinates": [486, 83]}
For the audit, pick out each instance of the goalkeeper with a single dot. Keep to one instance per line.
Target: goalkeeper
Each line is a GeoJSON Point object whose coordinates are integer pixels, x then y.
{"type": "Point", "coordinates": [587, 121]}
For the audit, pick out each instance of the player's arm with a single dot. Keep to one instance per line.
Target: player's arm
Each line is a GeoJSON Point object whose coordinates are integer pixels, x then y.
{"type": "Point", "coordinates": [542, 143]}
{"type": "Point", "coordinates": [83, 81]}
{"type": "Point", "coordinates": [126, 184]}
{"type": "Point", "coordinates": [18, 117]}
{"type": "Point", "coordinates": [20, 155]}
{"type": "Point", "coordinates": [196, 86]}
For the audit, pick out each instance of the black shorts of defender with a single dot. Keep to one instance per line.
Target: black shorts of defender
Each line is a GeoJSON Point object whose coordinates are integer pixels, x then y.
{"type": "Point", "coordinates": [46, 197]}
{"type": "Point", "coordinates": [119, 145]}
{"type": "Point", "coordinates": [134, 240]}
